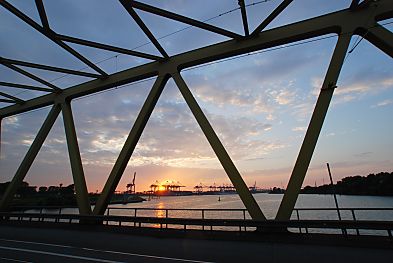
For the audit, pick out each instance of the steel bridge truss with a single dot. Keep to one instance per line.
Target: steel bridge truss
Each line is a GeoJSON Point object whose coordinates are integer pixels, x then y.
{"type": "Point", "coordinates": [355, 20]}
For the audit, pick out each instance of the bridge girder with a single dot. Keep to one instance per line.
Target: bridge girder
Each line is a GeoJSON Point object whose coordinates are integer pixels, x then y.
{"type": "Point", "coordinates": [345, 23]}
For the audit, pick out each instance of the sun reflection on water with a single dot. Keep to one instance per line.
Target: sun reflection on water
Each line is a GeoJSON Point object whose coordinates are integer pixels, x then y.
{"type": "Point", "coordinates": [160, 212]}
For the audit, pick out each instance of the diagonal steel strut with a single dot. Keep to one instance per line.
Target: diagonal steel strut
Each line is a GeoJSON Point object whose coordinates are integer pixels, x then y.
{"type": "Point", "coordinates": [82, 196]}
{"type": "Point", "coordinates": [29, 158]}
{"type": "Point", "coordinates": [271, 17]}
{"type": "Point", "coordinates": [129, 145]}
{"type": "Point", "coordinates": [314, 27]}
{"type": "Point", "coordinates": [50, 35]}
{"type": "Point", "coordinates": [222, 155]}
{"type": "Point", "coordinates": [180, 18]}
{"type": "Point", "coordinates": [144, 28]}
{"type": "Point", "coordinates": [351, 20]}
{"type": "Point", "coordinates": [314, 128]}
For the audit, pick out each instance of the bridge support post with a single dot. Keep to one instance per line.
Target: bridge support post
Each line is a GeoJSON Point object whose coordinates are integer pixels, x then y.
{"type": "Point", "coordinates": [314, 128]}
{"type": "Point", "coordinates": [29, 158]}
{"type": "Point", "coordinates": [129, 145]}
{"type": "Point", "coordinates": [233, 174]}
{"type": "Point", "coordinates": [82, 196]}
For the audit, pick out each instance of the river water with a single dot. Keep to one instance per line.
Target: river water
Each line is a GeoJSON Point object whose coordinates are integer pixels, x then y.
{"type": "Point", "coordinates": [269, 204]}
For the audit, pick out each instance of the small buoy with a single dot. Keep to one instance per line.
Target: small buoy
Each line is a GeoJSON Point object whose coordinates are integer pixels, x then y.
{"type": "Point", "coordinates": [219, 199]}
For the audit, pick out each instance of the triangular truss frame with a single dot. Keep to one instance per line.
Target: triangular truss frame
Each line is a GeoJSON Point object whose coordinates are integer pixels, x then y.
{"type": "Point", "coordinates": [360, 18]}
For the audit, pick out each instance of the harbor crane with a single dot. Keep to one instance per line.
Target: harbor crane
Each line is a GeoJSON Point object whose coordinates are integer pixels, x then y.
{"type": "Point", "coordinates": [131, 187]}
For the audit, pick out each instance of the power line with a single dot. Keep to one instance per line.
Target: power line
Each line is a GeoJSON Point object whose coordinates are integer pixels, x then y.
{"type": "Point", "coordinates": [116, 87]}
{"type": "Point", "coordinates": [228, 59]}
{"type": "Point", "coordinates": [357, 41]}
{"type": "Point", "coordinates": [212, 63]}
{"type": "Point", "coordinates": [262, 51]}
{"type": "Point", "coordinates": [172, 33]}
{"type": "Point", "coordinates": [147, 43]}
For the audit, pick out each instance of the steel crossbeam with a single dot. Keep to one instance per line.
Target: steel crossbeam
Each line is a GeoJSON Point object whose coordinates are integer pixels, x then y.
{"type": "Point", "coordinates": [119, 50]}
{"type": "Point", "coordinates": [179, 18]}
{"type": "Point", "coordinates": [332, 23]}
{"type": "Point", "coordinates": [50, 34]}
{"type": "Point", "coordinates": [355, 20]}
{"type": "Point", "coordinates": [144, 28]}
{"type": "Point", "coordinates": [284, 4]}
{"type": "Point", "coordinates": [23, 86]}
{"type": "Point", "coordinates": [32, 76]}
{"type": "Point", "coordinates": [13, 98]}
{"type": "Point", "coordinates": [50, 68]}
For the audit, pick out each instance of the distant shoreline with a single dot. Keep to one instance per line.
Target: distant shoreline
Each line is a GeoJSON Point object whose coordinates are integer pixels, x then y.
{"type": "Point", "coordinates": [380, 184]}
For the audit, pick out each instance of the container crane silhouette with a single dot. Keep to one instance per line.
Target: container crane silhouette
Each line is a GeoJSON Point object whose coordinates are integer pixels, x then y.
{"type": "Point", "coordinates": [131, 187]}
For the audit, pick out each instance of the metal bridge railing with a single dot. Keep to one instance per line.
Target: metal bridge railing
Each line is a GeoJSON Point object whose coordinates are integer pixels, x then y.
{"type": "Point", "coordinates": [353, 212]}
{"type": "Point", "coordinates": [267, 226]}
{"type": "Point", "coordinates": [201, 213]}
{"type": "Point", "coordinates": [213, 218]}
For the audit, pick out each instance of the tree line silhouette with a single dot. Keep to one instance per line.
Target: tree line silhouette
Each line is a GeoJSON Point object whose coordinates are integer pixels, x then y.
{"type": "Point", "coordinates": [44, 196]}
{"type": "Point", "coordinates": [380, 184]}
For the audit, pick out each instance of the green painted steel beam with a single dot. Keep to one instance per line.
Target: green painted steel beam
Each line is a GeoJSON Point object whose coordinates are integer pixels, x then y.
{"type": "Point", "coordinates": [354, 4]}
{"type": "Point", "coordinates": [281, 7]}
{"type": "Point", "coordinates": [344, 23]}
{"type": "Point", "coordinates": [127, 5]}
{"type": "Point", "coordinates": [41, 11]}
{"type": "Point", "coordinates": [29, 158]}
{"type": "Point", "coordinates": [34, 77]}
{"type": "Point", "coordinates": [380, 37]}
{"type": "Point", "coordinates": [314, 128]}
{"type": "Point", "coordinates": [23, 86]}
{"type": "Point", "coordinates": [120, 50]}
{"type": "Point", "coordinates": [129, 145]}
{"type": "Point", "coordinates": [222, 155]}
{"type": "Point", "coordinates": [7, 101]}
{"type": "Point", "coordinates": [15, 99]}
{"type": "Point", "coordinates": [49, 68]}
{"type": "Point", "coordinates": [50, 35]}
{"type": "Point", "coordinates": [314, 27]}
{"type": "Point", "coordinates": [82, 196]}
{"type": "Point", "coordinates": [244, 17]}
{"type": "Point", "coordinates": [179, 18]}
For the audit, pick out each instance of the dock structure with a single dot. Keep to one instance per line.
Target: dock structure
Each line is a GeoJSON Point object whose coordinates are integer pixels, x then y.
{"type": "Point", "coordinates": [224, 189]}
{"type": "Point", "coordinates": [172, 186]}
{"type": "Point", "coordinates": [214, 189]}
{"type": "Point", "coordinates": [360, 18]}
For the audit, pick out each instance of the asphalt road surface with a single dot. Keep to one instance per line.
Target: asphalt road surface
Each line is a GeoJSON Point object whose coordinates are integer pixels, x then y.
{"type": "Point", "coordinates": [26, 244]}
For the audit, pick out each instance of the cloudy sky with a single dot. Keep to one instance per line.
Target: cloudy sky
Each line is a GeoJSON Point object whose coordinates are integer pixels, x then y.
{"type": "Point", "coordinates": [259, 104]}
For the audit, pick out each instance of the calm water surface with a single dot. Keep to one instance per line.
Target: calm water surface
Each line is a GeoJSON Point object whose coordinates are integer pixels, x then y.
{"type": "Point", "coordinates": [269, 204]}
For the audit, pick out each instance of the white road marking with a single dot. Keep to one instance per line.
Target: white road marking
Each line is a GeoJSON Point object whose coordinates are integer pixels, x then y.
{"type": "Point", "coordinates": [15, 260]}
{"type": "Point", "coordinates": [59, 254]}
{"type": "Point", "coordinates": [106, 251]}
{"type": "Point", "coordinates": [147, 256]}
{"type": "Point", "coordinates": [34, 243]}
